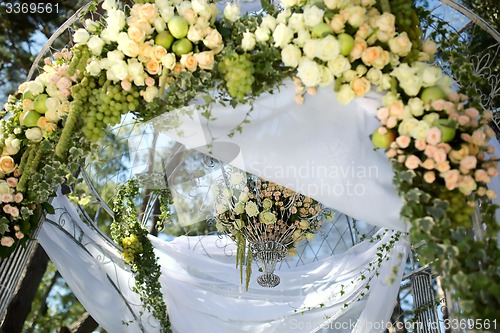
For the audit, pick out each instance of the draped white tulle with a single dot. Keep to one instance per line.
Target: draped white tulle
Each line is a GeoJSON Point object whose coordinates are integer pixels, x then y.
{"type": "Point", "coordinates": [321, 149]}
{"type": "Point", "coordinates": [202, 287]}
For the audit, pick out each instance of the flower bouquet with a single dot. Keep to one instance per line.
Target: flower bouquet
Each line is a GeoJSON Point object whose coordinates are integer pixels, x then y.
{"type": "Point", "coordinates": [268, 218]}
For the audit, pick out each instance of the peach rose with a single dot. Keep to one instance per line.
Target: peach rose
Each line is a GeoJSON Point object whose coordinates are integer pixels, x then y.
{"type": "Point", "coordinates": [479, 138]}
{"type": "Point", "coordinates": [481, 191]}
{"type": "Point", "coordinates": [364, 31]}
{"type": "Point", "coordinates": [444, 146]}
{"type": "Point", "coordinates": [401, 158]}
{"type": "Point", "coordinates": [451, 178]}
{"type": "Point", "coordinates": [205, 60]}
{"type": "Point", "coordinates": [491, 194]}
{"type": "Point", "coordinates": [12, 181]}
{"type": "Point", "coordinates": [7, 197]}
{"type": "Point", "coordinates": [158, 52]}
{"type": "Point", "coordinates": [149, 81]}
{"type": "Point", "coordinates": [178, 68]}
{"type": "Point", "coordinates": [19, 234]}
{"type": "Point", "coordinates": [6, 208]}
{"type": "Point", "coordinates": [457, 155]}
{"type": "Point", "coordinates": [189, 62]}
{"type": "Point", "coordinates": [135, 34]}
{"type": "Point", "coordinates": [153, 67]}
{"type": "Point", "coordinates": [429, 151]}
{"type": "Point", "coordinates": [358, 49]}
{"type": "Point", "coordinates": [213, 39]}
{"type": "Point", "coordinates": [468, 163]}
{"type": "Point", "coordinates": [472, 113]}
{"type": "Point", "coordinates": [443, 166]}
{"type": "Point", "coordinates": [361, 86]}
{"type": "Point", "coordinates": [412, 162]}
{"type": "Point", "coordinates": [428, 164]}
{"type": "Point", "coordinates": [382, 113]}
{"type": "Point", "coordinates": [439, 155]}
{"type": "Point", "coordinates": [126, 85]}
{"type": "Point", "coordinates": [433, 136]}
{"type": "Point", "coordinates": [7, 164]}
{"type": "Point", "coordinates": [396, 109]}
{"type": "Point", "coordinates": [14, 211]}
{"type": "Point", "coordinates": [18, 197]}
{"type": "Point", "coordinates": [492, 172]}
{"type": "Point", "coordinates": [463, 120]}
{"type": "Point", "coordinates": [148, 12]}
{"type": "Point", "coordinates": [7, 241]}
{"type": "Point", "coordinates": [146, 52]}
{"type": "Point", "coordinates": [299, 99]}
{"type": "Point", "coordinates": [467, 185]}
{"type": "Point", "coordinates": [420, 144]}
{"type": "Point", "coordinates": [403, 141]}
{"type": "Point", "coordinates": [391, 153]}
{"type": "Point", "coordinates": [482, 176]}
{"type": "Point", "coordinates": [430, 177]}
{"type": "Point", "coordinates": [371, 54]}
{"type": "Point", "coordinates": [391, 122]}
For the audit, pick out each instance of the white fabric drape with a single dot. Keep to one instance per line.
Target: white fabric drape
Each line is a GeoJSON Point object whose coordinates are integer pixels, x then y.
{"type": "Point", "coordinates": [202, 287]}
{"type": "Point", "coordinates": [321, 149]}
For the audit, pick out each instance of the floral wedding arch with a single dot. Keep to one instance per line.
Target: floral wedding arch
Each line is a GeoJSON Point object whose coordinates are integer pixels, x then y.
{"type": "Point", "coordinates": [148, 58]}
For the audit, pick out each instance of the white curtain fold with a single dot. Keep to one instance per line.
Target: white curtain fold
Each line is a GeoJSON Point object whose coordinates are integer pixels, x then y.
{"type": "Point", "coordinates": [202, 287]}
{"type": "Point", "coordinates": [321, 148]}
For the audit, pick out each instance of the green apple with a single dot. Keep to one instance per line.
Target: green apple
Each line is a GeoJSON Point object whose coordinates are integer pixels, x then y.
{"type": "Point", "coordinates": [31, 118]}
{"type": "Point", "coordinates": [321, 30]}
{"type": "Point", "coordinates": [346, 43]}
{"type": "Point", "coordinates": [178, 27]}
{"type": "Point", "coordinates": [447, 128]}
{"type": "Point", "coordinates": [40, 105]}
{"type": "Point", "coordinates": [430, 94]}
{"type": "Point", "coordinates": [28, 95]}
{"type": "Point", "coordinates": [165, 39]}
{"type": "Point", "coordinates": [182, 46]}
{"type": "Point", "coordinates": [383, 140]}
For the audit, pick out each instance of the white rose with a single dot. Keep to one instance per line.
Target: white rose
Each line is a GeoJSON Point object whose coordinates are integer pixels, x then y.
{"type": "Point", "coordinates": [374, 75]}
{"type": "Point", "coordinates": [282, 35]}
{"type": "Point", "coordinates": [114, 56]}
{"type": "Point", "coordinates": [168, 60]}
{"type": "Point", "coordinates": [332, 4]}
{"type": "Point", "coordinates": [349, 75]}
{"type": "Point", "coordinates": [309, 72]}
{"type": "Point", "coordinates": [239, 208]}
{"type": "Point", "coordinates": [345, 94]}
{"type": "Point", "coordinates": [109, 35]}
{"type": "Point", "coordinates": [108, 5]}
{"type": "Point", "coordinates": [34, 87]}
{"type": "Point", "coordinates": [420, 131]}
{"type": "Point", "coordinates": [34, 134]}
{"type": "Point", "coordinates": [243, 197]}
{"type": "Point", "coordinates": [267, 218]}
{"type": "Point", "coordinates": [302, 37]}
{"type": "Point", "coordinates": [431, 118]}
{"type": "Point", "coordinates": [52, 103]}
{"type": "Point", "coordinates": [403, 72]}
{"type": "Point", "coordinates": [95, 45]}
{"type": "Point", "coordinates": [431, 75]}
{"type": "Point", "coordinates": [167, 13]}
{"type": "Point", "coordinates": [213, 39]}
{"type": "Point", "coordinates": [328, 48]}
{"type": "Point", "coordinates": [81, 36]}
{"type": "Point", "coordinates": [4, 187]}
{"type": "Point", "coordinates": [416, 106]}
{"type": "Point", "coordinates": [93, 68]}
{"type": "Point", "coordinates": [401, 45]}
{"type": "Point", "coordinates": [310, 48]}
{"type": "Point", "coordinates": [237, 178]}
{"type": "Point", "coordinates": [248, 41]}
{"type": "Point", "coordinates": [136, 71]}
{"type": "Point", "coordinates": [200, 6]}
{"type": "Point", "coordinates": [386, 23]}
{"type": "Point", "coordinates": [296, 22]}
{"type": "Point", "coordinates": [429, 47]}
{"type": "Point", "coordinates": [313, 16]}
{"type": "Point", "coordinates": [194, 34]}
{"type": "Point", "coordinates": [268, 22]}
{"type": "Point", "coordinates": [283, 16]}
{"type": "Point", "coordinates": [91, 26]}
{"type": "Point", "coordinates": [386, 82]}
{"type": "Point", "coordinates": [116, 19]}
{"type": "Point", "coordinates": [262, 34]}
{"type": "Point", "coordinates": [290, 55]}
{"type": "Point", "coordinates": [150, 93]}
{"type": "Point", "coordinates": [251, 209]}
{"type": "Point", "coordinates": [232, 12]}
{"type": "Point", "coordinates": [326, 77]}
{"type": "Point", "coordinates": [53, 91]}
{"type": "Point", "coordinates": [119, 71]}
{"type": "Point", "coordinates": [337, 23]}
{"type": "Point", "coordinates": [356, 16]}
{"type": "Point", "coordinates": [52, 115]}
{"type": "Point", "coordinates": [159, 24]}
{"type": "Point", "coordinates": [339, 65]}
{"type": "Point", "coordinates": [289, 3]}
{"type": "Point", "coordinates": [411, 85]}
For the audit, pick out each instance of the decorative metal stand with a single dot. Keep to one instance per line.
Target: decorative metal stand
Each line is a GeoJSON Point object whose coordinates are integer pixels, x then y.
{"type": "Point", "coordinates": [268, 254]}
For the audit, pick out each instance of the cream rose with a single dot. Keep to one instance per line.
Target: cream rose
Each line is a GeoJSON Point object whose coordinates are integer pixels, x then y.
{"type": "Point", "coordinates": [401, 45]}
{"type": "Point", "coordinates": [337, 23]}
{"type": "Point", "coordinates": [268, 22]}
{"type": "Point", "coordinates": [243, 197]}
{"type": "Point", "coordinates": [282, 35]}
{"type": "Point", "coordinates": [430, 75]}
{"type": "Point", "coordinates": [34, 134]}
{"type": "Point", "coordinates": [81, 36]}
{"type": "Point", "coordinates": [345, 94]}
{"type": "Point", "coordinates": [4, 188]}
{"type": "Point", "coordinates": [267, 218]}
{"type": "Point", "coordinates": [313, 16]}
{"type": "Point", "coordinates": [309, 72]}
{"type": "Point", "coordinates": [339, 65]}
{"type": "Point", "coordinates": [7, 164]}
{"type": "Point", "coordinates": [118, 71]}
{"type": "Point", "coordinates": [248, 41]}
{"type": "Point", "coordinates": [232, 12]}
{"type": "Point", "coordinates": [289, 3]}
{"type": "Point", "coordinates": [328, 48]}
{"type": "Point", "coordinates": [195, 34]}
{"type": "Point", "coordinates": [239, 208]}
{"type": "Point", "coordinates": [420, 131]}
{"type": "Point", "coordinates": [296, 22]}
{"type": "Point", "coordinates": [150, 93]}
{"type": "Point", "coordinates": [251, 209]}
{"type": "Point", "coordinates": [262, 34]}
{"type": "Point", "coordinates": [416, 106]}
{"type": "Point", "coordinates": [429, 47]}
{"type": "Point", "coordinates": [205, 59]}
{"type": "Point", "coordinates": [356, 16]}
{"type": "Point", "coordinates": [291, 55]}
{"type": "Point", "coordinates": [115, 20]}
{"type": "Point", "coordinates": [213, 39]}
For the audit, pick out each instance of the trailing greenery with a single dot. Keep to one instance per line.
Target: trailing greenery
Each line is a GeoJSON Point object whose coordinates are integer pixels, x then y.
{"type": "Point", "coordinates": [138, 251]}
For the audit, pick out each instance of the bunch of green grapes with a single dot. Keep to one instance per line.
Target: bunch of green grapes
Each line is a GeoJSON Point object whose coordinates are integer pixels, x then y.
{"type": "Point", "coordinates": [131, 248]}
{"type": "Point", "coordinates": [407, 20]}
{"type": "Point", "coordinates": [238, 73]}
{"type": "Point", "coordinates": [459, 212]}
{"type": "Point", "coordinates": [102, 103]}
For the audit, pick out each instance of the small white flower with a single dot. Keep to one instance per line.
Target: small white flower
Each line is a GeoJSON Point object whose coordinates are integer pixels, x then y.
{"type": "Point", "coordinates": [262, 34]}
{"type": "Point", "coordinates": [93, 68]}
{"type": "Point", "coordinates": [108, 5]}
{"type": "Point", "coordinates": [282, 35]}
{"type": "Point", "coordinates": [95, 45]}
{"type": "Point", "coordinates": [34, 87]}
{"type": "Point", "coordinates": [237, 178]}
{"type": "Point", "coordinates": [91, 26]}
{"type": "Point", "coordinates": [52, 115]}
{"type": "Point", "coordinates": [296, 22]}
{"type": "Point", "coordinates": [269, 22]}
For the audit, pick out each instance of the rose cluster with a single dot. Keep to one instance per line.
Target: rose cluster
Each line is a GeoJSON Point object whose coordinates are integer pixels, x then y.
{"type": "Point", "coordinates": [143, 45]}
